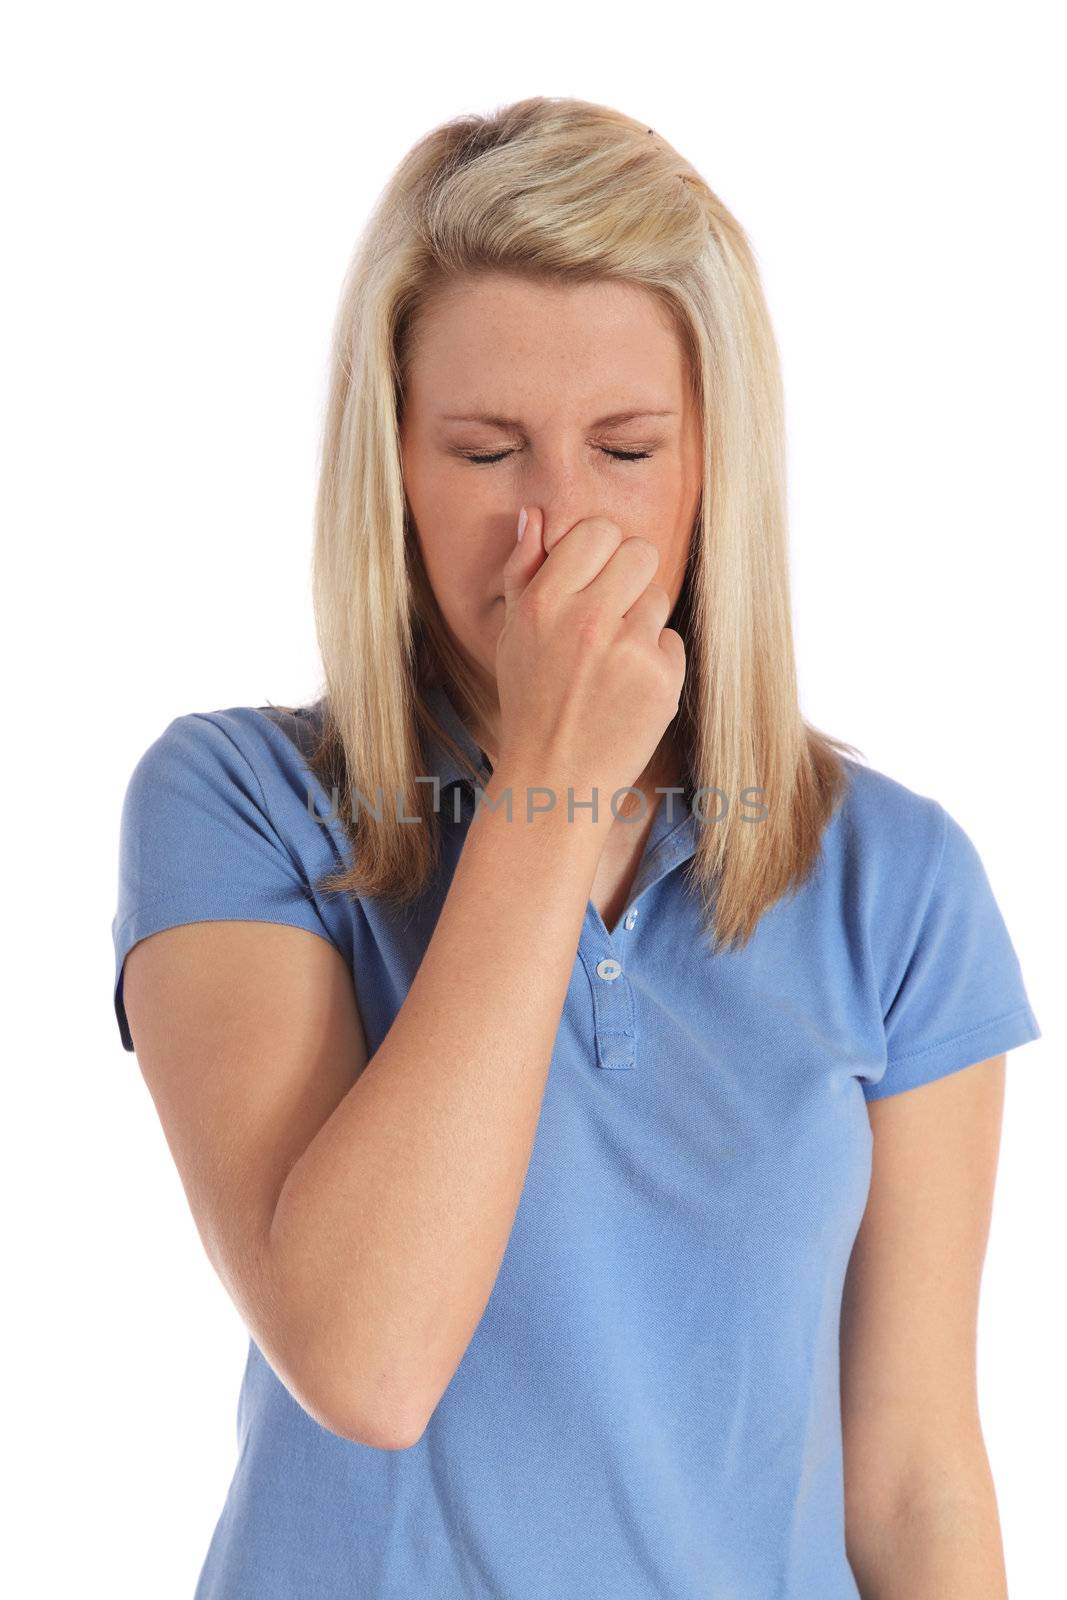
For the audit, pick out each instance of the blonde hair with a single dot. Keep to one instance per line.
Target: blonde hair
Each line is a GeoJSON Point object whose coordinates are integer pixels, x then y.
{"type": "Point", "coordinates": [570, 191]}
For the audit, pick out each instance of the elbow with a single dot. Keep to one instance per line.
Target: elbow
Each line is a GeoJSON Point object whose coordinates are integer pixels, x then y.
{"type": "Point", "coordinates": [339, 1390]}
{"type": "Point", "coordinates": [396, 1415]}
{"type": "Point", "coordinates": [379, 1425]}
{"type": "Point", "coordinates": [377, 1432]}
{"type": "Point", "coordinates": [358, 1424]}
{"type": "Point", "coordinates": [387, 1438]}
{"type": "Point", "coordinates": [328, 1399]}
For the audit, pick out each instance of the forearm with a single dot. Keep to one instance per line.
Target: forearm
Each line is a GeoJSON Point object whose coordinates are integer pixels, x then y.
{"type": "Point", "coordinates": [391, 1228]}
{"type": "Point", "coordinates": [940, 1542]}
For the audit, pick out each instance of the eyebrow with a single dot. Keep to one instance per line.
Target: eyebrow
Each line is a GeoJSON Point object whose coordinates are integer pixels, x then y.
{"type": "Point", "coordinates": [610, 421]}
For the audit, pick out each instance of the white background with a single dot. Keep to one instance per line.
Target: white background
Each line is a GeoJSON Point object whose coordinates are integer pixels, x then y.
{"type": "Point", "coordinates": [183, 186]}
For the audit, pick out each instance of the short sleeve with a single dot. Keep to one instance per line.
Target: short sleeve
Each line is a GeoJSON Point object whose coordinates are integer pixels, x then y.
{"type": "Point", "coordinates": [197, 844]}
{"type": "Point", "coordinates": [961, 997]}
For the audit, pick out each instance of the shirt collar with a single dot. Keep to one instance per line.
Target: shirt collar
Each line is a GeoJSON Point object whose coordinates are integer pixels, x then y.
{"type": "Point", "coordinates": [670, 841]}
{"type": "Point", "coordinates": [440, 761]}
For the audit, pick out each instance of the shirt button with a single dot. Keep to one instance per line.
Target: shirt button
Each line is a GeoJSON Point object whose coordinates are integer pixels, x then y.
{"type": "Point", "coordinates": [631, 917]}
{"type": "Point", "coordinates": [608, 968]}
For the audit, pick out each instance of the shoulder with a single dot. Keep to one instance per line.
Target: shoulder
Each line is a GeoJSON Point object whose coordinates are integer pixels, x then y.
{"type": "Point", "coordinates": [267, 737]}
{"type": "Point", "coordinates": [211, 774]}
{"type": "Point", "coordinates": [923, 921]}
{"type": "Point", "coordinates": [218, 824]}
{"type": "Point", "coordinates": [902, 846]}
{"type": "Point", "coordinates": [264, 749]}
{"type": "Point", "coordinates": [874, 804]}
{"type": "Point", "coordinates": [885, 837]}
{"type": "Point", "coordinates": [905, 875]}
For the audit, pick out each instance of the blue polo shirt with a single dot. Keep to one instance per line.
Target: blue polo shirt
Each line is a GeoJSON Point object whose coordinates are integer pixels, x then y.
{"type": "Point", "coordinates": [649, 1406]}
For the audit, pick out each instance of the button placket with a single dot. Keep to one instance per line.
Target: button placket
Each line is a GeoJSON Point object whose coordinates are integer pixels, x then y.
{"type": "Point", "coordinates": [614, 1012]}
{"type": "Point", "coordinates": [614, 1027]}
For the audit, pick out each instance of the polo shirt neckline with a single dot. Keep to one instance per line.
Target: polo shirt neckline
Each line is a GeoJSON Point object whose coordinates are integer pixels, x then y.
{"type": "Point", "coordinates": [605, 954]}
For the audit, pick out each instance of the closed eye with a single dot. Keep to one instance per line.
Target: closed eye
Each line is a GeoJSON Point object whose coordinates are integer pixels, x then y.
{"type": "Point", "coordinates": [617, 455]}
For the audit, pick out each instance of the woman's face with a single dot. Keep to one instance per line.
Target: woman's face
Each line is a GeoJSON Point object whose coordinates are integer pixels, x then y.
{"type": "Point", "coordinates": [548, 362]}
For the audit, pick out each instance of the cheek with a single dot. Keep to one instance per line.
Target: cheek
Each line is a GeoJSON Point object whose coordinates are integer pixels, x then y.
{"type": "Point", "coordinates": [673, 536]}
{"type": "Point", "coordinates": [460, 575]}
{"type": "Point", "coordinates": [654, 489]}
{"type": "Point", "coordinates": [657, 506]}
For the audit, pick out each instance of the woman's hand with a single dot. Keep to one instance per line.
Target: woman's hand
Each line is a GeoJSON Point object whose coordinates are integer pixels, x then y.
{"type": "Point", "coordinates": [588, 676]}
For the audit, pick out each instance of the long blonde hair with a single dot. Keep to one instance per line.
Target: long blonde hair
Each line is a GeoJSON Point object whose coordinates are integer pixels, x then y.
{"type": "Point", "coordinates": [570, 191]}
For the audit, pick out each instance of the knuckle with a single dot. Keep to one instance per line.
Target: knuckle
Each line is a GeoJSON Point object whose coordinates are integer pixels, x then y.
{"type": "Point", "coordinates": [589, 620]}
{"type": "Point", "coordinates": [607, 536]}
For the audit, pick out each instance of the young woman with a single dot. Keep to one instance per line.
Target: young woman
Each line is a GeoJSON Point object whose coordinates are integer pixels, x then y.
{"type": "Point", "coordinates": [537, 1170]}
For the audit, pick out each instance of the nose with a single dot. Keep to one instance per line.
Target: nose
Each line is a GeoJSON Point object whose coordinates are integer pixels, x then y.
{"type": "Point", "coordinates": [560, 518]}
{"type": "Point", "coordinates": [558, 523]}
{"type": "Point", "coordinates": [556, 527]}
{"type": "Point", "coordinates": [564, 487]}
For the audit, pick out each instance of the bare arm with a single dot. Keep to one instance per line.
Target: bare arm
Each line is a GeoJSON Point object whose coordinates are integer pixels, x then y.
{"type": "Point", "coordinates": [921, 1511]}
{"type": "Point", "coordinates": [391, 1227]}
{"type": "Point", "coordinates": [357, 1211]}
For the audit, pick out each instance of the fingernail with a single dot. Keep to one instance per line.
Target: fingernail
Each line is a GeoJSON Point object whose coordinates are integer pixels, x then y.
{"type": "Point", "coordinates": [522, 521]}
